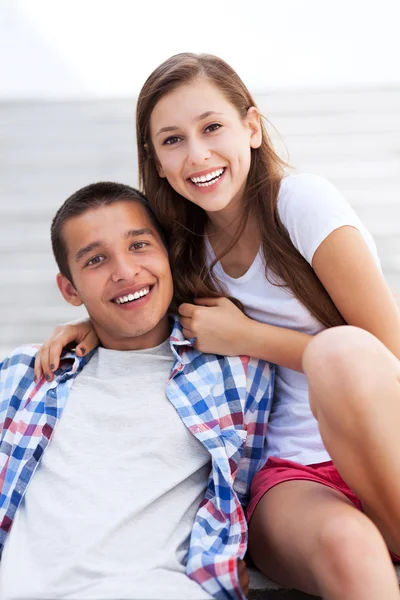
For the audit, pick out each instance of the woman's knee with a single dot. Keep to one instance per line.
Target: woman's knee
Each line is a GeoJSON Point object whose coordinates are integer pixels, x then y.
{"type": "Point", "coordinates": [343, 542]}
{"type": "Point", "coordinates": [339, 351]}
{"type": "Point", "coordinates": [341, 367]}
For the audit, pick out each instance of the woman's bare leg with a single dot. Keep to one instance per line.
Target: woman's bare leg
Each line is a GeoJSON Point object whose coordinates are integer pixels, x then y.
{"type": "Point", "coordinates": [355, 395]}
{"type": "Point", "coordinates": [308, 536]}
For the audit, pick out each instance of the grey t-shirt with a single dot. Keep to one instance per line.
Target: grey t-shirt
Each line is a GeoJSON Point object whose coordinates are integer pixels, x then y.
{"type": "Point", "coordinates": [109, 512]}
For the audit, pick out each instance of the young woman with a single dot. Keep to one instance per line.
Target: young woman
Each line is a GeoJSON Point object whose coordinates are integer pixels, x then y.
{"type": "Point", "coordinates": [294, 254]}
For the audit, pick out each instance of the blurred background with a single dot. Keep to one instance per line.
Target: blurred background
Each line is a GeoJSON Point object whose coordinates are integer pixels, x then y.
{"type": "Point", "coordinates": [325, 74]}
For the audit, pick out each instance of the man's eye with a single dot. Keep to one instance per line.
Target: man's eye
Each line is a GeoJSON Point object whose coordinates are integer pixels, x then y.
{"type": "Point", "coordinates": [171, 140]}
{"type": "Point", "coordinates": [213, 127]}
{"type": "Point", "coordinates": [95, 261]}
{"type": "Point", "coordinates": [139, 245]}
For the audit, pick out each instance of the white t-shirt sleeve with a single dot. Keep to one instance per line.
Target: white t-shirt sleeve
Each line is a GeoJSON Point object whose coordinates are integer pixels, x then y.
{"type": "Point", "coordinates": [311, 207]}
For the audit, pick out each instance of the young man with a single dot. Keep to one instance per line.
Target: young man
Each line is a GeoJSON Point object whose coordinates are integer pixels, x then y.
{"type": "Point", "coordinates": [142, 482]}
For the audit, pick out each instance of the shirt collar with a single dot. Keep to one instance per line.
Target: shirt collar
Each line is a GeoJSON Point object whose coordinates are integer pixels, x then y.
{"type": "Point", "coordinates": [71, 364]}
{"type": "Point", "coordinates": [177, 340]}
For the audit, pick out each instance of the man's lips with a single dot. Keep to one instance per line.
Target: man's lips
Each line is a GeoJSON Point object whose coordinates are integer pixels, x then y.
{"type": "Point", "coordinates": [135, 304]}
{"type": "Point", "coordinates": [131, 291]}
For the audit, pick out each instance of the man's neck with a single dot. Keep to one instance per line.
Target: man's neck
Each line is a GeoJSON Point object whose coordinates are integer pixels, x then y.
{"type": "Point", "coordinates": [149, 339]}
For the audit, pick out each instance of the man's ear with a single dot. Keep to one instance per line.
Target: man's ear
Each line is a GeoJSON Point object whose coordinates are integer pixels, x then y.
{"type": "Point", "coordinates": [253, 121]}
{"type": "Point", "coordinates": [68, 291]}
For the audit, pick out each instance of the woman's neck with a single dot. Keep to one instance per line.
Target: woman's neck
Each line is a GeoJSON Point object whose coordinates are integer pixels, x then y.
{"type": "Point", "coordinates": [221, 237]}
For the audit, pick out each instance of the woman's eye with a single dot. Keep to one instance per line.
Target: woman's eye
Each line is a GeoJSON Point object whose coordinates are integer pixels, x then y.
{"type": "Point", "coordinates": [95, 261]}
{"type": "Point", "coordinates": [139, 245]}
{"type": "Point", "coordinates": [213, 127]}
{"type": "Point", "coordinates": [171, 140]}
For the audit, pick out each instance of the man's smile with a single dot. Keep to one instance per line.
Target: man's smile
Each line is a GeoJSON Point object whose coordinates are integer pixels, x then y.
{"type": "Point", "coordinates": [134, 295]}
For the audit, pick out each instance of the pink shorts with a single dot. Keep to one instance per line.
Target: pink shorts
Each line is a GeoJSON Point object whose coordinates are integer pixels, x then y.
{"type": "Point", "coordinates": [277, 470]}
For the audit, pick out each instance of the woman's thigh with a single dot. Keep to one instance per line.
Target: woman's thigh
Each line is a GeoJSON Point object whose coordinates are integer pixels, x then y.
{"type": "Point", "coordinates": [307, 535]}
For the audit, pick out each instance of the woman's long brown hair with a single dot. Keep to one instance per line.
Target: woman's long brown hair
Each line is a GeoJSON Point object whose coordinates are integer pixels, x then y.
{"type": "Point", "coordinates": [185, 223]}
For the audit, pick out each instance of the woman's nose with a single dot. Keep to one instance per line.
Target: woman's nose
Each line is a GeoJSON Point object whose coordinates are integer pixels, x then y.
{"type": "Point", "coordinates": [198, 152]}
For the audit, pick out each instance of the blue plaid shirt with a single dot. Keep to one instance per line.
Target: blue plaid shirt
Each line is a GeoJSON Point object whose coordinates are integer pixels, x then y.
{"type": "Point", "coordinates": [223, 401]}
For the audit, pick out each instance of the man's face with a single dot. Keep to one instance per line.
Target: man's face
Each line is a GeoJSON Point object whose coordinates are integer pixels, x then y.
{"type": "Point", "coordinates": [121, 273]}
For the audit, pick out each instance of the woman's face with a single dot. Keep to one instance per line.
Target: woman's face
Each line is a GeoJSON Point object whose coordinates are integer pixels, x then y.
{"type": "Point", "coordinates": [202, 144]}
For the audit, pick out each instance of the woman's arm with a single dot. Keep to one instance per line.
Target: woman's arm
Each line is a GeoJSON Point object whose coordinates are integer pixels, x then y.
{"type": "Point", "coordinates": [221, 328]}
{"type": "Point", "coordinates": [353, 280]}
{"type": "Point", "coordinates": [80, 332]}
{"type": "Point", "coordinates": [347, 269]}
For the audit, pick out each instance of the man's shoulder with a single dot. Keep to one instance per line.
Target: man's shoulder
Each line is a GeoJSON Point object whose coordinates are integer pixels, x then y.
{"type": "Point", "coordinates": [17, 375]}
{"type": "Point", "coordinates": [21, 355]}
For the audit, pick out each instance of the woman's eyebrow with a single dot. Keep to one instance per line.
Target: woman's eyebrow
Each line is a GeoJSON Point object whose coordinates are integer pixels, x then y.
{"type": "Point", "coordinates": [199, 118]}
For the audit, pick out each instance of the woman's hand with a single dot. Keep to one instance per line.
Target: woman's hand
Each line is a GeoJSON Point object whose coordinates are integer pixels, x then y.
{"type": "Point", "coordinates": [217, 324]}
{"type": "Point", "coordinates": [80, 332]}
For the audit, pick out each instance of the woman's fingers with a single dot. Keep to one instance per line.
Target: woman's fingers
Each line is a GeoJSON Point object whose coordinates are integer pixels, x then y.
{"type": "Point", "coordinates": [44, 356]}
{"type": "Point", "coordinates": [87, 344]}
{"type": "Point", "coordinates": [37, 370]}
{"type": "Point", "coordinates": [208, 301]}
{"type": "Point", "coordinates": [186, 310]}
{"type": "Point", "coordinates": [186, 323]}
{"type": "Point", "coordinates": [53, 357]}
{"type": "Point", "coordinates": [188, 334]}
{"type": "Point", "coordinates": [80, 333]}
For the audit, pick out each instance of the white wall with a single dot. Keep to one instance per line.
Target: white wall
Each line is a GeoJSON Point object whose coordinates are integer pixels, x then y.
{"type": "Point", "coordinates": [106, 48]}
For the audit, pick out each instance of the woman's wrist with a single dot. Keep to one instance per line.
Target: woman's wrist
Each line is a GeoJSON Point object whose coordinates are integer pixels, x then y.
{"type": "Point", "coordinates": [274, 344]}
{"type": "Point", "coordinates": [251, 332]}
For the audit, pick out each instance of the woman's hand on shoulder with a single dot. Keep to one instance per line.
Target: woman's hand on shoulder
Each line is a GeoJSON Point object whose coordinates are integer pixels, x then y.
{"type": "Point", "coordinates": [218, 325]}
{"type": "Point", "coordinates": [79, 332]}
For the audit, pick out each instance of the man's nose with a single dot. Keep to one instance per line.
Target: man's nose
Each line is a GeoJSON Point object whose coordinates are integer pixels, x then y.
{"type": "Point", "coordinates": [198, 151]}
{"type": "Point", "coordinates": [125, 268]}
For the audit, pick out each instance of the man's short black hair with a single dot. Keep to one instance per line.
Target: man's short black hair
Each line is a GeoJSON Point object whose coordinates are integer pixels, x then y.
{"type": "Point", "coordinates": [94, 195]}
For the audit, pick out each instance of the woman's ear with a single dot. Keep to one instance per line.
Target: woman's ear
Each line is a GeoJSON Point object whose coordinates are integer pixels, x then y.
{"type": "Point", "coordinates": [254, 123]}
{"type": "Point", "coordinates": [68, 291]}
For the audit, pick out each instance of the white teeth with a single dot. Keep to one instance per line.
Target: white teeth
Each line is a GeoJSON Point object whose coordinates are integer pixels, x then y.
{"type": "Point", "coordinates": [131, 297]}
{"type": "Point", "coordinates": [205, 180]}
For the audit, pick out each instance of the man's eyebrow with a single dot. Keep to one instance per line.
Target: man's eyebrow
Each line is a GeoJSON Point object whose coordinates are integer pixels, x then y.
{"type": "Point", "coordinates": [199, 118]}
{"type": "Point", "coordinates": [132, 233]}
{"type": "Point", "coordinates": [86, 249]}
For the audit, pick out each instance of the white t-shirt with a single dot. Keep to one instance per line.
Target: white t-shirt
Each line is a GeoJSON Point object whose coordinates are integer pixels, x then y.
{"type": "Point", "coordinates": [311, 208]}
{"type": "Point", "coordinates": [110, 509]}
